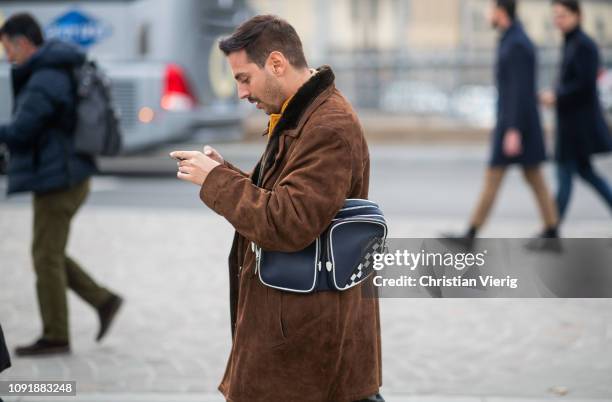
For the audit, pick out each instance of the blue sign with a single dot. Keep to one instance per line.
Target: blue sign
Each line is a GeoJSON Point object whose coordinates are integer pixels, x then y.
{"type": "Point", "coordinates": [79, 28]}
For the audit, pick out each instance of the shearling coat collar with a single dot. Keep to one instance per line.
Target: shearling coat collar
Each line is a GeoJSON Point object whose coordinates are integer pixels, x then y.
{"type": "Point", "coordinates": [315, 86]}
{"type": "Point", "coordinates": [302, 104]}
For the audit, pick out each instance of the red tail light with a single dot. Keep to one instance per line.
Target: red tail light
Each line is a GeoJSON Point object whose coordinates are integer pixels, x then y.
{"type": "Point", "coordinates": [177, 95]}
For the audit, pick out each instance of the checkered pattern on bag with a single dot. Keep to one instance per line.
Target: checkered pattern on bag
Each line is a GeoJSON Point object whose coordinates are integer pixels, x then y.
{"type": "Point", "coordinates": [366, 267]}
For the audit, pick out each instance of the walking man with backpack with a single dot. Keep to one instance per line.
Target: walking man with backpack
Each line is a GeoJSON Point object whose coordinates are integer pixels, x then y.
{"type": "Point", "coordinates": [43, 161]}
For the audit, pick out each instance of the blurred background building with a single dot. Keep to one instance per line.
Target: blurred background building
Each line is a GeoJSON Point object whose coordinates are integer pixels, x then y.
{"type": "Point", "coordinates": [421, 59]}
{"type": "Point", "coordinates": [426, 57]}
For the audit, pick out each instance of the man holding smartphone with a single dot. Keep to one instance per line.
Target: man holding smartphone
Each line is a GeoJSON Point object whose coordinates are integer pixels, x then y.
{"type": "Point", "coordinates": [322, 346]}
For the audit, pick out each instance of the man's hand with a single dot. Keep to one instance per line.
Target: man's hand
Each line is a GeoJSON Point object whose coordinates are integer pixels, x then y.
{"type": "Point", "coordinates": [213, 154]}
{"type": "Point", "coordinates": [512, 143]}
{"type": "Point", "coordinates": [194, 166]}
{"type": "Point", "coordinates": [548, 98]}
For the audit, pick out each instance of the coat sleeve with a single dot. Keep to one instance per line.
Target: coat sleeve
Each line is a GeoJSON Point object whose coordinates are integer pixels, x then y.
{"type": "Point", "coordinates": [298, 209]}
{"type": "Point", "coordinates": [237, 169]}
{"type": "Point", "coordinates": [577, 90]}
{"type": "Point", "coordinates": [520, 68]}
{"type": "Point", "coordinates": [34, 112]}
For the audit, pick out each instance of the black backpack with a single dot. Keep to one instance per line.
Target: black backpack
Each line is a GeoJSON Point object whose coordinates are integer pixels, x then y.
{"type": "Point", "coordinates": [97, 130]}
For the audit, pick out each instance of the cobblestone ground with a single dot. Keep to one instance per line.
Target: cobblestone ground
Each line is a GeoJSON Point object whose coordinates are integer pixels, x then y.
{"type": "Point", "coordinates": [172, 337]}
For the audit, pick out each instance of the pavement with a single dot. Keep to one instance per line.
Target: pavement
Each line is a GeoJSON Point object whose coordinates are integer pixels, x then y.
{"type": "Point", "coordinates": [151, 240]}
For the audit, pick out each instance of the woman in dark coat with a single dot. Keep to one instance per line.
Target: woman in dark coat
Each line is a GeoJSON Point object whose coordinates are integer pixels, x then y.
{"type": "Point", "coordinates": [581, 127]}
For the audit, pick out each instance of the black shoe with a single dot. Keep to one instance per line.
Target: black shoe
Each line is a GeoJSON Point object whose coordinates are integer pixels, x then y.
{"type": "Point", "coordinates": [544, 244]}
{"type": "Point", "coordinates": [43, 347]}
{"type": "Point", "coordinates": [107, 313]}
{"type": "Point", "coordinates": [456, 240]}
{"type": "Point", "coordinates": [550, 233]}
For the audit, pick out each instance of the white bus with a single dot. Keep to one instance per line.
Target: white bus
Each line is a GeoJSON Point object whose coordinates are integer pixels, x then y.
{"type": "Point", "coordinates": [169, 79]}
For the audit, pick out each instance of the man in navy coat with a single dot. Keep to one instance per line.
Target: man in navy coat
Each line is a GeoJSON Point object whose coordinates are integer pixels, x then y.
{"type": "Point", "coordinates": [517, 137]}
{"type": "Point", "coordinates": [582, 130]}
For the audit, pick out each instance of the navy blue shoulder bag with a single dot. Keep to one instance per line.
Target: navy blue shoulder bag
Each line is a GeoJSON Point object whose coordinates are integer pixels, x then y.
{"type": "Point", "coordinates": [338, 259]}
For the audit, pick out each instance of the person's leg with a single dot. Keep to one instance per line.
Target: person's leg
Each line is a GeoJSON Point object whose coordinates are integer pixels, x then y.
{"type": "Point", "coordinates": [546, 205]}
{"type": "Point", "coordinates": [565, 171]}
{"type": "Point", "coordinates": [84, 286]}
{"type": "Point", "coordinates": [52, 215]}
{"type": "Point", "coordinates": [78, 280]}
{"type": "Point", "coordinates": [588, 173]}
{"type": "Point", "coordinates": [105, 302]}
{"type": "Point", "coordinates": [493, 179]}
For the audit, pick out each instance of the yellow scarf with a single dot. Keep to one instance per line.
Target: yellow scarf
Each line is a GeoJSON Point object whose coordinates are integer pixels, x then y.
{"type": "Point", "coordinates": [275, 117]}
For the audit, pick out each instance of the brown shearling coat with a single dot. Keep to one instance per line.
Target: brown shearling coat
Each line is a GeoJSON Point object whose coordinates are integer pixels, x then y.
{"type": "Point", "coordinates": [287, 347]}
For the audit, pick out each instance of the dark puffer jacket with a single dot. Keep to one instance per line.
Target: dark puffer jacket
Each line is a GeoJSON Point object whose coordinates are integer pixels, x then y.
{"type": "Point", "coordinates": [39, 136]}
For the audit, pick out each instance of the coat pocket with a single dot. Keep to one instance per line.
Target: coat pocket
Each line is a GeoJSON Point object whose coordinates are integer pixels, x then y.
{"type": "Point", "coordinates": [271, 327]}
{"type": "Point", "coordinates": [291, 317]}
{"type": "Point", "coordinates": [299, 315]}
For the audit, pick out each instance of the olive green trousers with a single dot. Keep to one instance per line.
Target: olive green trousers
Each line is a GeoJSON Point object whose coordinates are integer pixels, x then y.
{"type": "Point", "coordinates": [55, 271]}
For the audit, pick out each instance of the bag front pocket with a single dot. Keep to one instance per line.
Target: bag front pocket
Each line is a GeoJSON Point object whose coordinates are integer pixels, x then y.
{"type": "Point", "coordinates": [350, 245]}
{"type": "Point", "coordinates": [292, 272]}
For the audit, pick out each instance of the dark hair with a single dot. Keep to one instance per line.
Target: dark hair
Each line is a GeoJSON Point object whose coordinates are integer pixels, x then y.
{"type": "Point", "coordinates": [262, 35]}
{"type": "Point", "coordinates": [22, 24]}
{"type": "Point", "coordinates": [509, 6]}
{"type": "Point", "coordinates": [572, 5]}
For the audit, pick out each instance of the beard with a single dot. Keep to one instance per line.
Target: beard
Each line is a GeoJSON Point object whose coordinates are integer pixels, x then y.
{"type": "Point", "coordinates": [272, 99]}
